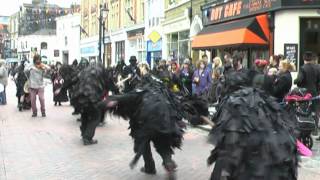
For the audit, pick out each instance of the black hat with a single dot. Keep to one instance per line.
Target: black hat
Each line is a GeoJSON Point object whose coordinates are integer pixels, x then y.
{"type": "Point", "coordinates": [133, 58]}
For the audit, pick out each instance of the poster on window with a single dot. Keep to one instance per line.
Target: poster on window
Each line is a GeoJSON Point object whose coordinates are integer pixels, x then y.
{"type": "Point", "coordinates": [291, 52]}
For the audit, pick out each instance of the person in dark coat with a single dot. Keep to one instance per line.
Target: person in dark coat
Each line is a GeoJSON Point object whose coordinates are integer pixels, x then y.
{"type": "Point", "coordinates": [309, 78]}
{"type": "Point", "coordinates": [57, 82]}
{"type": "Point", "coordinates": [283, 82]}
{"type": "Point", "coordinates": [20, 79]}
{"type": "Point", "coordinates": [186, 76]}
{"type": "Point", "coordinates": [309, 75]}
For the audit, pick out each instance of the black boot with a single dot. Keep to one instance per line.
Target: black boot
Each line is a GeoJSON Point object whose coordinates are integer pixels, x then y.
{"type": "Point", "coordinates": [89, 141]}
{"type": "Point", "coordinates": [20, 107]}
{"type": "Point", "coordinates": [148, 171]}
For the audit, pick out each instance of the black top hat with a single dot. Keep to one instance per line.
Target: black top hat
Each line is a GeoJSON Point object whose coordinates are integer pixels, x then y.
{"type": "Point", "coordinates": [133, 58]}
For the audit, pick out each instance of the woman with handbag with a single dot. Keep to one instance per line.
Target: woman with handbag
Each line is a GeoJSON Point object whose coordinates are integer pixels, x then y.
{"type": "Point", "coordinates": [202, 79]}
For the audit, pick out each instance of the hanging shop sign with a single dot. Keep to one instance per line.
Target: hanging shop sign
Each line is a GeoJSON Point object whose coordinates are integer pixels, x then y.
{"type": "Point", "coordinates": [220, 12]}
{"type": "Point", "coordinates": [291, 52]}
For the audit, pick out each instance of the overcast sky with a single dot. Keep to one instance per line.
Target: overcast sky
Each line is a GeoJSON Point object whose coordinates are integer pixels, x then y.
{"type": "Point", "coordinates": [9, 7]}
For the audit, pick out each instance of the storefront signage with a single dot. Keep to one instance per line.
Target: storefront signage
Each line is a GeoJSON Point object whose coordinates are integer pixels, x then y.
{"type": "Point", "coordinates": [151, 47]}
{"type": "Point", "coordinates": [154, 36]}
{"type": "Point", "coordinates": [237, 9]}
{"type": "Point", "coordinates": [300, 3]}
{"type": "Point", "coordinates": [88, 50]}
{"type": "Point", "coordinates": [135, 33]}
{"type": "Point", "coordinates": [291, 52]}
{"type": "Point", "coordinates": [220, 12]}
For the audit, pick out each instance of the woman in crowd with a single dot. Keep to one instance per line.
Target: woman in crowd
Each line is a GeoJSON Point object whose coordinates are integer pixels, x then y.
{"type": "Point", "coordinates": [283, 82]}
{"type": "Point", "coordinates": [186, 76]}
{"type": "Point", "coordinates": [217, 70]}
{"type": "Point", "coordinates": [174, 77]}
{"type": "Point", "coordinates": [202, 79]}
{"type": "Point", "coordinates": [57, 82]}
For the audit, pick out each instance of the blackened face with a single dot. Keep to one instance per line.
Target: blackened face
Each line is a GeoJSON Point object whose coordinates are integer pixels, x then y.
{"type": "Point", "coordinates": [38, 61]}
{"type": "Point", "coordinates": [133, 63]}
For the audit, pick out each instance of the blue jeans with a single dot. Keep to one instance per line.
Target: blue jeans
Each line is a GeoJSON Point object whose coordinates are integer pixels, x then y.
{"type": "Point", "coordinates": [3, 98]}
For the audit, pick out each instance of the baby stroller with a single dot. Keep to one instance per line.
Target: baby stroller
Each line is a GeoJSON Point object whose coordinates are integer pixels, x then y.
{"type": "Point", "coordinates": [26, 101]}
{"type": "Point", "coordinates": [300, 102]}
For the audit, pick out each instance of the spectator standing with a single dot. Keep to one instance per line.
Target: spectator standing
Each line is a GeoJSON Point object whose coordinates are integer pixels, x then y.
{"type": "Point", "coordinates": [3, 81]}
{"type": "Point", "coordinates": [186, 76]}
{"type": "Point", "coordinates": [283, 81]}
{"type": "Point", "coordinates": [217, 70]}
{"type": "Point", "coordinates": [174, 77]}
{"type": "Point", "coordinates": [202, 79]}
{"type": "Point", "coordinates": [309, 78]}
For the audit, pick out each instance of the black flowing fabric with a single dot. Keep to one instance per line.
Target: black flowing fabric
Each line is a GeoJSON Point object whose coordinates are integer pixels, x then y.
{"type": "Point", "coordinates": [253, 139]}
{"type": "Point", "coordinates": [152, 113]}
{"type": "Point", "coordinates": [21, 80]}
{"type": "Point", "coordinates": [91, 88]}
{"type": "Point", "coordinates": [58, 81]}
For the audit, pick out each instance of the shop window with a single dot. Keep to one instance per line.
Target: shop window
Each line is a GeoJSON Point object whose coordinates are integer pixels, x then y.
{"type": "Point", "coordinates": [56, 53]}
{"type": "Point", "coordinates": [120, 50]}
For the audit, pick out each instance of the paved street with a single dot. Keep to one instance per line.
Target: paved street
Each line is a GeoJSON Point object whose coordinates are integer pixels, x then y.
{"type": "Point", "coordinates": [50, 148]}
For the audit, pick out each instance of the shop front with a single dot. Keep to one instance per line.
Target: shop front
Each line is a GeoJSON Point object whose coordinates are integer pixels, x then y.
{"type": "Point", "coordinates": [89, 49]}
{"type": "Point", "coordinates": [176, 39]}
{"type": "Point", "coordinates": [136, 43]}
{"type": "Point", "coordinates": [259, 29]}
{"type": "Point", "coordinates": [154, 51]}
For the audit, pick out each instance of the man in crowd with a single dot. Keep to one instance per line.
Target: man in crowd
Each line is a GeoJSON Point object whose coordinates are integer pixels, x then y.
{"type": "Point", "coordinates": [309, 78]}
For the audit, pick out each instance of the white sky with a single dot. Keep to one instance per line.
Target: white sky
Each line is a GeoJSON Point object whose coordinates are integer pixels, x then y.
{"type": "Point", "coordinates": [9, 7]}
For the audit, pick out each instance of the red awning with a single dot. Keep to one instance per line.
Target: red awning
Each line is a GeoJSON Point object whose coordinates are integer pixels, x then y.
{"type": "Point", "coordinates": [247, 32]}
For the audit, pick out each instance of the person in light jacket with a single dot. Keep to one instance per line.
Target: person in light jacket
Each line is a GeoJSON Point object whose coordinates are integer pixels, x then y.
{"type": "Point", "coordinates": [3, 80]}
{"type": "Point", "coordinates": [36, 74]}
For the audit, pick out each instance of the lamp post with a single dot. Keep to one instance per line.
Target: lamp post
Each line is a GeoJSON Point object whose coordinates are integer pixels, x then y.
{"type": "Point", "coordinates": [103, 15]}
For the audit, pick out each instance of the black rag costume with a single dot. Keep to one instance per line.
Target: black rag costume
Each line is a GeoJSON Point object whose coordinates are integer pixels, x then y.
{"type": "Point", "coordinates": [254, 136]}
{"type": "Point", "coordinates": [153, 117]}
{"type": "Point", "coordinates": [20, 81]}
{"type": "Point", "coordinates": [92, 86]}
{"type": "Point", "coordinates": [57, 83]}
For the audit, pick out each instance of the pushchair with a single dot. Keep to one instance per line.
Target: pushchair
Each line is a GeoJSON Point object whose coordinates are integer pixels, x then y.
{"type": "Point", "coordinates": [300, 101]}
{"type": "Point", "coordinates": [26, 100]}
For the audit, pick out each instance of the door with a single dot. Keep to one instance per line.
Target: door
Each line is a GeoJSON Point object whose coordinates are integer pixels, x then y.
{"type": "Point", "coordinates": [309, 37]}
{"type": "Point", "coordinates": [65, 57]}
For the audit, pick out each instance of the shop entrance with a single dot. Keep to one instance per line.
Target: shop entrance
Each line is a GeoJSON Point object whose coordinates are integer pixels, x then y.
{"type": "Point", "coordinates": [309, 37]}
